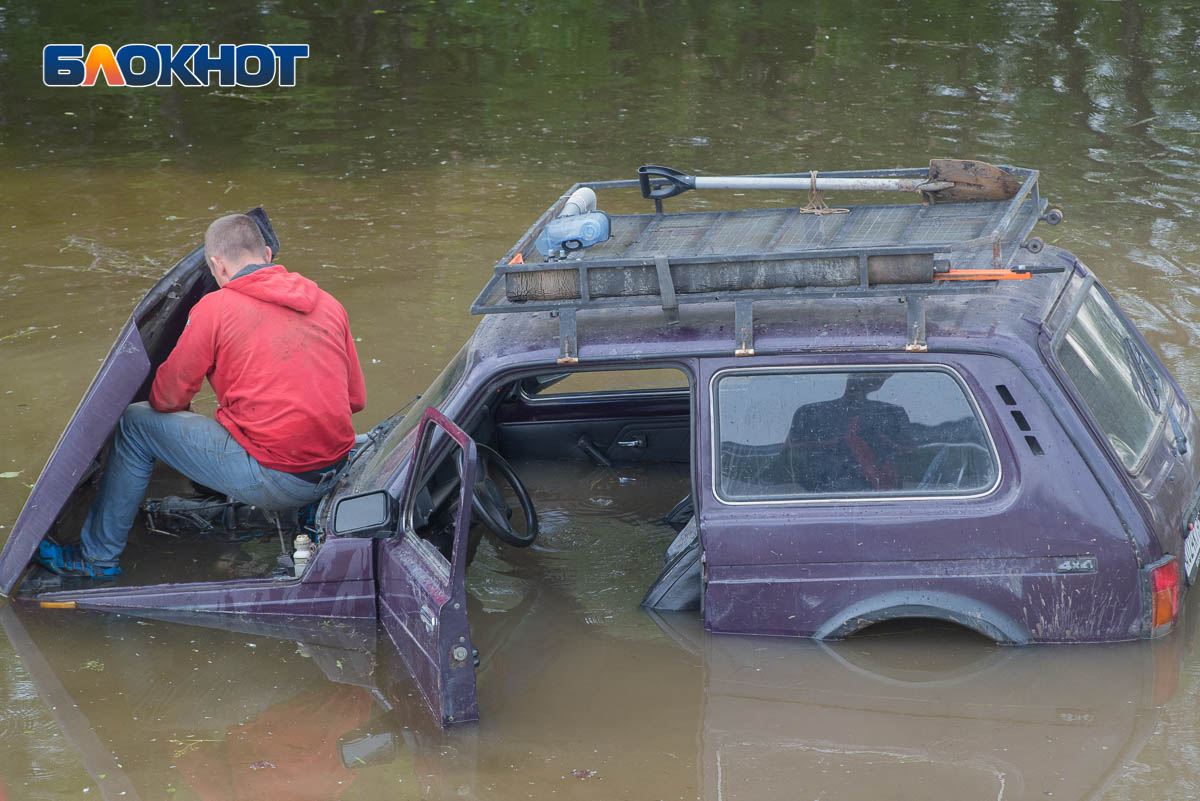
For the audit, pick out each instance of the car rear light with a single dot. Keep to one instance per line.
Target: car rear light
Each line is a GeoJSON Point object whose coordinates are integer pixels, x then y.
{"type": "Point", "coordinates": [1164, 593]}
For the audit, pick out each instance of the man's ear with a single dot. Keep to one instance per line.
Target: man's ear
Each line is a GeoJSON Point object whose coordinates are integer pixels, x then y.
{"type": "Point", "coordinates": [216, 266]}
{"type": "Point", "coordinates": [267, 248]}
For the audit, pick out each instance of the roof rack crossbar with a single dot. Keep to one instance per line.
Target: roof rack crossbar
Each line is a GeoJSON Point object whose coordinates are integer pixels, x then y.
{"type": "Point", "coordinates": [743, 326]}
{"type": "Point", "coordinates": [916, 323]}
{"type": "Point", "coordinates": [666, 288]}
{"type": "Point", "coordinates": [568, 337]}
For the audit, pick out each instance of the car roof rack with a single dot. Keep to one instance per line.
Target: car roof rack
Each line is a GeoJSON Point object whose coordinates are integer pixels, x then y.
{"type": "Point", "coordinates": [912, 251]}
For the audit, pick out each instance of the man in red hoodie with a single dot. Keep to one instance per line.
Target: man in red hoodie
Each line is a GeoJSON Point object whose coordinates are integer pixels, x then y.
{"type": "Point", "coordinates": [278, 352]}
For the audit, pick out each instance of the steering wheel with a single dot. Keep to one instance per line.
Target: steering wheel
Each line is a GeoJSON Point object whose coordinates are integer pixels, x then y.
{"type": "Point", "coordinates": [489, 506]}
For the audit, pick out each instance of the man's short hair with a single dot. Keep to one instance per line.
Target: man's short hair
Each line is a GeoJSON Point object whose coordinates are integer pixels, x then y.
{"type": "Point", "coordinates": [232, 236]}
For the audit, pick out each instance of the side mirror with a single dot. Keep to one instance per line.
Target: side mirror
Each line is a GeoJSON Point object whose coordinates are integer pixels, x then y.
{"type": "Point", "coordinates": [367, 514]}
{"type": "Point", "coordinates": [363, 747]}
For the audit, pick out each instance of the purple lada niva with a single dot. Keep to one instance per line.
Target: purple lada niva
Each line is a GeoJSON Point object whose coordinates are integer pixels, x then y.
{"type": "Point", "coordinates": [908, 410]}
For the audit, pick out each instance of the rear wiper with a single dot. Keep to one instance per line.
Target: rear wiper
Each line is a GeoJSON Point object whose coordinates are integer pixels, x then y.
{"type": "Point", "coordinates": [1147, 387]}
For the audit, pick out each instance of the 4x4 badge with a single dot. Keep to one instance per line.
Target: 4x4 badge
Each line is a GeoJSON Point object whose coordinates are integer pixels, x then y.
{"type": "Point", "coordinates": [1076, 564]}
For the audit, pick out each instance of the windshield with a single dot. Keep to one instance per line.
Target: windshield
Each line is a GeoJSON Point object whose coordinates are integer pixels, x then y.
{"type": "Point", "coordinates": [386, 458]}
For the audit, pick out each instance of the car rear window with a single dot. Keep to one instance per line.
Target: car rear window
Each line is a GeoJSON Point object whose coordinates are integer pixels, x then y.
{"type": "Point", "coordinates": [1113, 375]}
{"type": "Point", "coordinates": [851, 433]}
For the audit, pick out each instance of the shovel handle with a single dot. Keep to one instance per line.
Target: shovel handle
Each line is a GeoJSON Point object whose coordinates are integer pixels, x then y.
{"type": "Point", "coordinates": [677, 182]}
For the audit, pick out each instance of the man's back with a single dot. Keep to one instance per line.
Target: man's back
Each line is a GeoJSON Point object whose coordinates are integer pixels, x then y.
{"type": "Point", "coordinates": [278, 351]}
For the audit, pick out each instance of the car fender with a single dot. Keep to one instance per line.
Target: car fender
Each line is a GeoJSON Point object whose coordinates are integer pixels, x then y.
{"type": "Point", "coordinates": [950, 607]}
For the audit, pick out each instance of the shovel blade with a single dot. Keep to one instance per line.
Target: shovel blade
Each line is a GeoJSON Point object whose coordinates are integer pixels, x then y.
{"type": "Point", "coordinates": [973, 180]}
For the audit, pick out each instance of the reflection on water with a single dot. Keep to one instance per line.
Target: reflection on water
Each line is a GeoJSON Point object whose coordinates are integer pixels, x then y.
{"type": "Point", "coordinates": [280, 711]}
{"type": "Point", "coordinates": [422, 140]}
{"type": "Point", "coordinates": [967, 718]}
{"type": "Point", "coordinates": [580, 692]}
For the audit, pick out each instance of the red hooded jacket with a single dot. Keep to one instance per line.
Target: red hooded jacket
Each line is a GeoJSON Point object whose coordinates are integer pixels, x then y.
{"type": "Point", "coordinates": [278, 352]}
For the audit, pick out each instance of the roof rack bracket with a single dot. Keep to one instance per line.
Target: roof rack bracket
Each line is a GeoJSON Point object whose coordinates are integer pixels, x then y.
{"type": "Point", "coordinates": [916, 324]}
{"type": "Point", "coordinates": [743, 326]}
{"type": "Point", "coordinates": [568, 337]}
{"type": "Point", "coordinates": [666, 289]}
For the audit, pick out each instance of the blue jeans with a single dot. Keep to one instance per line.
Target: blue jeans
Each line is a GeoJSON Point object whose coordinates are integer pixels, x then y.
{"type": "Point", "coordinates": [195, 445]}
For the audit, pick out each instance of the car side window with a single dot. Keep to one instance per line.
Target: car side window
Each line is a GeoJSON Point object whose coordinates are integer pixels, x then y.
{"type": "Point", "coordinates": [585, 382]}
{"type": "Point", "coordinates": [848, 433]}
{"type": "Point", "coordinates": [1116, 380]}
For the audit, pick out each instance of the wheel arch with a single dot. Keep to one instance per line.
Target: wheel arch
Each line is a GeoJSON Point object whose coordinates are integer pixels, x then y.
{"type": "Point", "coordinates": [950, 607]}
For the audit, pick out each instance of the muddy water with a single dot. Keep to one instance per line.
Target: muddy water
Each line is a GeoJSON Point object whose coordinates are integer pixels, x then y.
{"type": "Point", "coordinates": [420, 143]}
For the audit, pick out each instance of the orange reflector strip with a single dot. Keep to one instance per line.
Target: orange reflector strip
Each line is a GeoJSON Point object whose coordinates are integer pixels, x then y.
{"type": "Point", "coordinates": [981, 275]}
{"type": "Point", "coordinates": [1162, 609]}
{"type": "Point", "coordinates": [57, 604]}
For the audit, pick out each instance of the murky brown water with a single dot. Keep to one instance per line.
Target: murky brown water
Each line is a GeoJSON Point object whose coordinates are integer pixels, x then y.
{"type": "Point", "coordinates": [420, 143]}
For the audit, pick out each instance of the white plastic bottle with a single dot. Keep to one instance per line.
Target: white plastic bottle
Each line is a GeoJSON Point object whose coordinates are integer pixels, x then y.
{"type": "Point", "coordinates": [302, 553]}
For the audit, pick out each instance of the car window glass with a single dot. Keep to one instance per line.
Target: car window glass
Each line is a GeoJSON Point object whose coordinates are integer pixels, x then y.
{"type": "Point", "coordinates": [605, 381]}
{"type": "Point", "coordinates": [438, 391]}
{"type": "Point", "coordinates": [849, 433]}
{"type": "Point", "coordinates": [1113, 377]}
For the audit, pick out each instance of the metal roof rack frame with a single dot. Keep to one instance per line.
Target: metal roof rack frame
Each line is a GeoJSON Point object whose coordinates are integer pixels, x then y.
{"type": "Point", "coordinates": [900, 250]}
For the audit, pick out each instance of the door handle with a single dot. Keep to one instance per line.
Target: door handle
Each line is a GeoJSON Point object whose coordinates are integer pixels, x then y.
{"type": "Point", "coordinates": [637, 442]}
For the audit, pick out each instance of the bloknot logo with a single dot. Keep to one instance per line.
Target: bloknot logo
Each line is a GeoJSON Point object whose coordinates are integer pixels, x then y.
{"type": "Point", "coordinates": [168, 65]}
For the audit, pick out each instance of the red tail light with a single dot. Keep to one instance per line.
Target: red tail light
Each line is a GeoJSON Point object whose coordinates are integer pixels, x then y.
{"type": "Point", "coordinates": [1164, 593]}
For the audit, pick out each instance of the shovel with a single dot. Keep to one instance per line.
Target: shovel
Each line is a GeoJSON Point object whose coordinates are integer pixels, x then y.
{"type": "Point", "coordinates": [949, 180]}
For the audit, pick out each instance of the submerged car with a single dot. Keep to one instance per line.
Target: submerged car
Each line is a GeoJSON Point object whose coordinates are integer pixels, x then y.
{"type": "Point", "coordinates": [886, 411]}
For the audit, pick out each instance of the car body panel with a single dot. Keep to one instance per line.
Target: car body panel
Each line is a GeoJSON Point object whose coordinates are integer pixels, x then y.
{"type": "Point", "coordinates": [1162, 491]}
{"type": "Point", "coordinates": [339, 582]}
{"type": "Point", "coordinates": [830, 567]}
{"type": "Point", "coordinates": [113, 388]}
{"type": "Point", "coordinates": [422, 599]}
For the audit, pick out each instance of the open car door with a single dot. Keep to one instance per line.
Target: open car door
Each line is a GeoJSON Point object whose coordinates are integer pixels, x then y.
{"type": "Point", "coordinates": [422, 595]}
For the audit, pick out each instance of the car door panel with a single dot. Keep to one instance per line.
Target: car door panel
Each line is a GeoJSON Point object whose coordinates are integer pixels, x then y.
{"type": "Point", "coordinates": [422, 597]}
{"type": "Point", "coordinates": [635, 426]}
{"type": "Point", "coordinates": [667, 439]}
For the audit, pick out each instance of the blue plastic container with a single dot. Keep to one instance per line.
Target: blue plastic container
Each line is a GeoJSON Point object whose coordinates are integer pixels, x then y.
{"type": "Point", "coordinates": [573, 233]}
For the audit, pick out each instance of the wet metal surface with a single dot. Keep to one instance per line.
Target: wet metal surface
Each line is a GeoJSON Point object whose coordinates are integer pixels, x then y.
{"type": "Point", "coordinates": [419, 144]}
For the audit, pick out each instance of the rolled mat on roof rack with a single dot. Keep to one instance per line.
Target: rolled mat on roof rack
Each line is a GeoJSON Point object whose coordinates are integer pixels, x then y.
{"type": "Point", "coordinates": [690, 277]}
